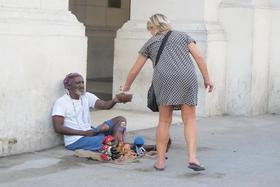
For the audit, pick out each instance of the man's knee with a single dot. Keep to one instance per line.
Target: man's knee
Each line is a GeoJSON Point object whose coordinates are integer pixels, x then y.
{"type": "Point", "coordinates": [119, 119]}
{"type": "Point", "coordinates": [104, 127]}
{"type": "Point", "coordinates": [119, 128]}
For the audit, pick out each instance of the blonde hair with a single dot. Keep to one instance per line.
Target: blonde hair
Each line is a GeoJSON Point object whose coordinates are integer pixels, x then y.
{"type": "Point", "coordinates": [160, 22]}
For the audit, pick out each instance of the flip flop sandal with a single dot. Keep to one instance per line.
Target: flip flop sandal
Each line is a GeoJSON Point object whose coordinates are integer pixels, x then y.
{"type": "Point", "coordinates": [196, 167]}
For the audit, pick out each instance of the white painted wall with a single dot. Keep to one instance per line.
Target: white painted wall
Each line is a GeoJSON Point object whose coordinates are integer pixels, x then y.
{"type": "Point", "coordinates": [39, 44]}
{"type": "Point", "coordinates": [248, 25]}
{"type": "Point", "coordinates": [239, 52]}
{"type": "Point", "coordinates": [274, 66]}
{"type": "Point", "coordinates": [179, 10]}
{"type": "Point", "coordinates": [211, 10]}
{"type": "Point", "coordinates": [260, 61]}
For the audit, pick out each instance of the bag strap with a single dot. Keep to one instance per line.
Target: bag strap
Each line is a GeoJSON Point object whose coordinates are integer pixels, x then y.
{"type": "Point", "coordinates": [162, 46]}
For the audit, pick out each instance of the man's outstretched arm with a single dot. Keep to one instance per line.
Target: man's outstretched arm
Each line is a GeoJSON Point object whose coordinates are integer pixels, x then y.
{"type": "Point", "coordinates": [100, 104]}
{"type": "Point", "coordinates": [58, 124]}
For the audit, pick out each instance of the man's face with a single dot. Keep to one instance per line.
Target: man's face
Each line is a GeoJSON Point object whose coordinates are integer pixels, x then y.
{"type": "Point", "coordinates": [77, 86]}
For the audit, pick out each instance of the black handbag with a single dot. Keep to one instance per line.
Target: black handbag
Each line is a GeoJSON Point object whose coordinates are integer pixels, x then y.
{"type": "Point", "coordinates": [151, 97]}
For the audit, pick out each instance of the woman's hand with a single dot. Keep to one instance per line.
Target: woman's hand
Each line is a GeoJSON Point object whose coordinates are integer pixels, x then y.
{"type": "Point", "coordinates": [124, 89]}
{"type": "Point", "coordinates": [209, 85]}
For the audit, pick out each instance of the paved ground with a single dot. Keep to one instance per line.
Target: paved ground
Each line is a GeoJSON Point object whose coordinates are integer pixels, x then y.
{"type": "Point", "coordinates": [236, 151]}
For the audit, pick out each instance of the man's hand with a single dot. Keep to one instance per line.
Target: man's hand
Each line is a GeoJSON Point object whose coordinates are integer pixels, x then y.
{"type": "Point", "coordinates": [116, 100]}
{"type": "Point", "coordinates": [124, 97]}
{"type": "Point", "coordinates": [90, 132]}
{"type": "Point", "coordinates": [58, 123]}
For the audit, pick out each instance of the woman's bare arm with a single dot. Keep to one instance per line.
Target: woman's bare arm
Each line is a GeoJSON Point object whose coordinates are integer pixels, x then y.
{"type": "Point", "coordinates": [199, 59]}
{"type": "Point", "coordinates": [141, 60]}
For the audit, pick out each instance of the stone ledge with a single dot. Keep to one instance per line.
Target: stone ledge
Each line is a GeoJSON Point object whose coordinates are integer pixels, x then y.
{"type": "Point", "coordinates": [136, 120]}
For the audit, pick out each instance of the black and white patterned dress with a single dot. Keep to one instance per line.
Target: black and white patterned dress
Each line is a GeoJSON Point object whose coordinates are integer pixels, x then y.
{"type": "Point", "coordinates": [174, 78]}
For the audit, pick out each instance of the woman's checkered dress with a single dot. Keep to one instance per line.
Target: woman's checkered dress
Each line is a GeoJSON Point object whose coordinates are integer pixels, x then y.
{"type": "Point", "coordinates": [174, 77]}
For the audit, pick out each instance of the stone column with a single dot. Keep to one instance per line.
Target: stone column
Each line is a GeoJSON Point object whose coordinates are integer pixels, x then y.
{"type": "Point", "coordinates": [198, 18]}
{"type": "Point", "coordinates": [40, 41]}
{"type": "Point", "coordinates": [248, 27]}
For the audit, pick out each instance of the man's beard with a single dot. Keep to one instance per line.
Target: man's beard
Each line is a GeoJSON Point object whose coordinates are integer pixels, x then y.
{"type": "Point", "coordinates": [79, 93]}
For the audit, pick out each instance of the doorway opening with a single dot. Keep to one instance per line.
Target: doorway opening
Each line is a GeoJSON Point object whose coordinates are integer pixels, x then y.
{"type": "Point", "coordinates": [102, 18]}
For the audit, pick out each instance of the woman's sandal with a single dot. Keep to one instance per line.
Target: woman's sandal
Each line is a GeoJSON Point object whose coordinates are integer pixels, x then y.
{"type": "Point", "coordinates": [196, 167]}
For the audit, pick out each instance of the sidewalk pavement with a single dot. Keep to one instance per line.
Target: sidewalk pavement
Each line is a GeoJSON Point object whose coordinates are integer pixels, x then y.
{"type": "Point", "coordinates": [236, 151]}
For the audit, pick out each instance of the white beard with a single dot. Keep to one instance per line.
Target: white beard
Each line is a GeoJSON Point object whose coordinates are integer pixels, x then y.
{"type": "Point", "coordinates": [79, 93]}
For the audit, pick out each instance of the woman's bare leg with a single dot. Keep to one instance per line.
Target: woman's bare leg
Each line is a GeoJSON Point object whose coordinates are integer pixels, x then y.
{"type": "Point", "coordinates": [189, 119]}
{"type": "Point", "coordinates": [162, 133]}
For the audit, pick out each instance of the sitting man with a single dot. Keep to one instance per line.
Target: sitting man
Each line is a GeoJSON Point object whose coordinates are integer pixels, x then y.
{"type": "Point", "coordinates": [71, 117]}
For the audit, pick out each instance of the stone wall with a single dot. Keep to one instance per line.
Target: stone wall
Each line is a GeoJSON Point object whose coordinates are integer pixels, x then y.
{"type": "Point", "coordinates": [274, 65]}
{"type": "Point", "coordinates": [40, 41]}
{"type": "Point", "coordinates": [250, 86]}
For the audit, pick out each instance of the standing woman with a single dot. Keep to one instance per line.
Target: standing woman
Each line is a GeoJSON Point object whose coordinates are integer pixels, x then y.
{"type": "Point", "coordinates": [175, 84]}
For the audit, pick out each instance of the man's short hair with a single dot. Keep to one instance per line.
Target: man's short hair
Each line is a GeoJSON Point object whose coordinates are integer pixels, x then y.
{"type": "Point", "coordinates": [69, 78]}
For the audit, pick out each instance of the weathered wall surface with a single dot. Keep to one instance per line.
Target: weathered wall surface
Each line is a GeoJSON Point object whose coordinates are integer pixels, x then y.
{"type": "Point", "coordinates": [40, 41]}
{"type": "Point", "coordinates": [274, 66]}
